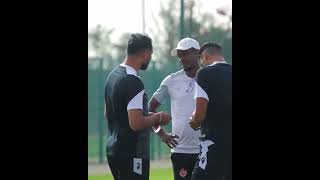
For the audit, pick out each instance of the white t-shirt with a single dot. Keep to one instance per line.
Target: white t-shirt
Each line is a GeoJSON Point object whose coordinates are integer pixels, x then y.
{"type": "Point", "coordinates": [180, 88]}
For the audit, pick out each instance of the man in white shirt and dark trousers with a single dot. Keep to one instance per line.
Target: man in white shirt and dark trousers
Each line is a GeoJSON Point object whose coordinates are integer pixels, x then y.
{"type": "Point", "coordinates": [213, 114]}
{"type": "Point", "coordinates": [180, 88]}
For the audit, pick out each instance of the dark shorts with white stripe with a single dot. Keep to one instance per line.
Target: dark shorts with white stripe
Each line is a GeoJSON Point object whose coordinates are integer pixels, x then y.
{"type": "Point", "coordinates": [215, 165]}
{"type": "Point", "coordinates": [129, 168]}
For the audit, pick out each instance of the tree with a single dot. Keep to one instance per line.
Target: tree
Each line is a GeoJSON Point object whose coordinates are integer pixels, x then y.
{"type": "Point", "coordinates": [99, 41]}
{"type": "Point", "coordinates": [199, 26]}
{"type": "Point", "coordinates": [120, 47]}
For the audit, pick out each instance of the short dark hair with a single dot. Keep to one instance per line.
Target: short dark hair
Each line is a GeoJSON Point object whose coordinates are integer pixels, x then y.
{"type": "Point", "coordinates": [211, 48]}
{"type": "Point", "coordinates": [138, 42]}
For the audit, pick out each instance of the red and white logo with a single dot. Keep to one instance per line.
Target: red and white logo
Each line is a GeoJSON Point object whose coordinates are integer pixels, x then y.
{"type": "Point", "coordinates": [183, 173]}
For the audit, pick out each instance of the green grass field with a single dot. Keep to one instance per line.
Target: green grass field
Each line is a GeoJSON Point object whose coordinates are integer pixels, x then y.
{"type": "Point", "coordinates": [155, 174]}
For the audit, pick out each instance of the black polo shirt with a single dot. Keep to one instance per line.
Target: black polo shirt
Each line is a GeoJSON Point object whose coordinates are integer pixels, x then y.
{"type": "Point", "coordinates": [124, 90]}
{"type": "Point", "coordinates": [214, 83]}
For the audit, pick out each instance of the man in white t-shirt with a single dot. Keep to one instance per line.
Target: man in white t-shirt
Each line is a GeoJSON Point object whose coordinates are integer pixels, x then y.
{"type": "Point", "coordinates": [180, 88]}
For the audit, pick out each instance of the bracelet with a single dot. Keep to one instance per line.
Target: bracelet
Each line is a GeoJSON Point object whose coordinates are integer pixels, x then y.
{"type": "Point", "coordinates": [156, 130]}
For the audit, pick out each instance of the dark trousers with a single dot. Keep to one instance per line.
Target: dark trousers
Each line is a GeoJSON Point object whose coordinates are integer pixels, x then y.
{"type": "Point", "coordinates": [183, 165]}
{"type": "Point", "coordinates": [216, 164]}
{"type": "Point", "coordinates": [129, 168]}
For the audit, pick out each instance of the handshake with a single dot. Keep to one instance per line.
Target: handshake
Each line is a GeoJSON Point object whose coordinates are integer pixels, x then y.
{"type": "Point", "coordinates": [161, 118]}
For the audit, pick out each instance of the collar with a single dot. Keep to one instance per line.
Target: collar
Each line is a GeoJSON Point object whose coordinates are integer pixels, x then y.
{"type": "Point", "coordinates": [129, 69]}
{"type": "Point", "coordinates": [217, 62]}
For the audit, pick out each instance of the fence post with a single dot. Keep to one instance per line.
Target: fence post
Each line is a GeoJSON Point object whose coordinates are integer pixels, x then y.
{"type": "Point", "coordinates": [100, 107]}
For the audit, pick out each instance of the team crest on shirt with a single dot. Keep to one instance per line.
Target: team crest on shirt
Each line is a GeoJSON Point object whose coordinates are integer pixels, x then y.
{"type": "Point", "coordinates": [183, 173]}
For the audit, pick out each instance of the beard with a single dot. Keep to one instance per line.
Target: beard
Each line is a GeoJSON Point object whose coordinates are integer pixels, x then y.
{"type": "Point", "coordinates": [144, 66]}
{"type": "Point", "coordinates": [187, 67]}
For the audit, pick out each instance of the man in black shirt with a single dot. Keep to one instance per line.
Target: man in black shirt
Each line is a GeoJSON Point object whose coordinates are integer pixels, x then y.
{"type": "Point", "coordinates": [126, 111]}
{"type": "Point", "coordinates": [213, 114]}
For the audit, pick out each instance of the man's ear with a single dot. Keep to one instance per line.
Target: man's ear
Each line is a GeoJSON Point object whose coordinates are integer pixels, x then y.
{"type": "Point", "coordinates": [145, 54]}
{"type": "Point", "coordinates": [206, 56]}
{"type": "Point", "coordinates": [141, 54]}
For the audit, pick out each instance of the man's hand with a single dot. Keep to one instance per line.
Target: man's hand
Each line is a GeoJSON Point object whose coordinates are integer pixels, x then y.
{"type": "Point", "coordinates": [168, 139]}
{"type": "Point", "coordinates": [164, 118]}
{"type": "Point", "coordinates": [199, 113]}
{"type": "Point", "coordinates": [193, 124]}
{"type": "Point", "coordinates": [150, 113]}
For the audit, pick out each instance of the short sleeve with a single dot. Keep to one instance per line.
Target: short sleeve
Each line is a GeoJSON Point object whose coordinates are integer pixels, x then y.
{"type": "Point", "coordinates": [162, 92]}
{"type": "Point", "coordinates": [135, 92]}
{"type": "Point", "coordinates": [202, 85]}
